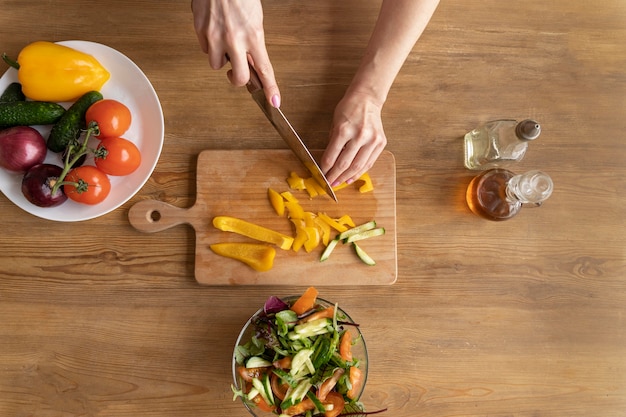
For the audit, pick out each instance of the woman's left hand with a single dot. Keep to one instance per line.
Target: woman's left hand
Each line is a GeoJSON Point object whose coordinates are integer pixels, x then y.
{"type": "Point", "coordinates": [356, 140]}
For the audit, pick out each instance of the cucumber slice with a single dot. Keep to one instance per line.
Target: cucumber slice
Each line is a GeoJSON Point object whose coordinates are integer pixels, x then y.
{"type": "Point", "coordinates": [329, 249]}
{"type": "Point", "coordinates": [363, 256]}
{"type": "Point", "coordinates": [356, 230]}
{"type": "Point", "coordinates": [257, 362]}
{"type": "Point", "coordinates": [366, 235]}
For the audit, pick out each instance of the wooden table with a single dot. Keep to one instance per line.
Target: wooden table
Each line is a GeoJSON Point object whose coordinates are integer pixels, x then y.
{"type": "Point", "coordinates": [521, 318]}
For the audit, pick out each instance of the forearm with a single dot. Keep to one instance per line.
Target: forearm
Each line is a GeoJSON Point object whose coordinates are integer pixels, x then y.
{"type": "Point", "coordinates": [400, 24]}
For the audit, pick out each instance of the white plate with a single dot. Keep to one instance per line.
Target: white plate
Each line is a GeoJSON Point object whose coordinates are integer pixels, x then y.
{"type": "Point", "coordinates": [129, 85]}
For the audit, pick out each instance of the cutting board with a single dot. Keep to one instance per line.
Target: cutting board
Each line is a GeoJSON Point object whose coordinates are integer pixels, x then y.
{"type": "Point", "coordinates": [235, 182]}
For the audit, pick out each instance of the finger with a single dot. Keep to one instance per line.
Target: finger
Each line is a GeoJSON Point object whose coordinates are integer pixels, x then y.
{"type": "Point", "coordinates": [217, 57]}
{"type": "Point", "coordinates": [239, 75]}
{"type": "Point", "coordinates": [265, 71]}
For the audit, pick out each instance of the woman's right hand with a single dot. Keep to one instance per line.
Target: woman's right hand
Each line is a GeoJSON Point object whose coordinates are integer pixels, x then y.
{"type": "Point", "coordinates": [232, 30]}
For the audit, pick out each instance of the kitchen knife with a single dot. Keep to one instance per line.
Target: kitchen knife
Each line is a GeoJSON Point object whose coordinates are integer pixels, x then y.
{"type": "Point", "coordinates": [287, 132]}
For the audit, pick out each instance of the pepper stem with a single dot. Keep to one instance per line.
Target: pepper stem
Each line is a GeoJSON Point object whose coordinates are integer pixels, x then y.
{"type": "Point", "coordinates": [10, 62]}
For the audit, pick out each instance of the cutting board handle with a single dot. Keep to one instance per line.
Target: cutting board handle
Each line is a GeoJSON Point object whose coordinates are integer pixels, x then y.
{"type": "Point", "coordinates": [154, 216]}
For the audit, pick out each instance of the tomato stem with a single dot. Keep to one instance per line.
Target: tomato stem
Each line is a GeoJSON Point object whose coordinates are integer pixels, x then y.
{"type": "Point", "coordinates": [68, 164]}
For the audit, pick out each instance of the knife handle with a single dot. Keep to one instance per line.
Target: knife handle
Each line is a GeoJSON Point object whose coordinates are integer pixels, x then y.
{"type": "Point", "coordinates": [254, 84]}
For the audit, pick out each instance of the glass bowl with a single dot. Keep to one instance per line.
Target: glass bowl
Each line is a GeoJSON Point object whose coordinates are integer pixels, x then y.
{"type": "Point", "coordinates": [359, 350]}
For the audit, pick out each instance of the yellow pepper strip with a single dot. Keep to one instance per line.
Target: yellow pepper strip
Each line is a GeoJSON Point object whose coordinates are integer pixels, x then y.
{"type": "Point", "coordinates": [289, 197]}
{"type": "Point", "coordinates": [301, 234]}
{"type": "Point", "coordinates": [295, 210]}
{"type": "Point", "coordinates": [324, 230]}
{"type": "Point", "coordinates": [313, 238]}
{"type": "Point", "coordinates": [313, 188]}
{"type": "Point", "coordinates": [367, 183]}
{"type": "Point", "coordinates": [309, 219]}
{"type": "Point", "coordinates": [251, 230]}
{"type": "Point", "coordinates": [277, 201]}
{"type": "Point", "coordinates": [53, 72]}
{"type": "Point", "coordinates": [331, 222]}
{"type": "Point", "coordinates": [258, 256]}
{"type": "Point", "coordinates": [295, 181]}
{"type": "Point", "coordinates": [346, 220]}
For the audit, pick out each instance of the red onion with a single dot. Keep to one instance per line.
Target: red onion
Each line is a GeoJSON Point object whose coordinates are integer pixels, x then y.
{"type": "Point", "coordinates": [37, 185]}
{"type": "Point", "coordinates": [21, 147]}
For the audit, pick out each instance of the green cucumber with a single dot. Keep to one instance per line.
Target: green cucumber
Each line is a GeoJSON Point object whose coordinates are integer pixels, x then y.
{"type": "Point", "coordinates": [12, 93]}
{"type": "Point", "coordinates": [29, 113]}
{"type": "Point", "coordinates": [69, 127]}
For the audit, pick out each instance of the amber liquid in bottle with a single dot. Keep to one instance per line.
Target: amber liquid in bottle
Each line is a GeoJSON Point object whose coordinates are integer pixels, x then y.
{"type": "Point", "coordinates": [487, 197]}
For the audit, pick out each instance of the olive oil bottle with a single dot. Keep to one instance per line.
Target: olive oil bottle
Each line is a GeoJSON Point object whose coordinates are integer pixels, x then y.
{"type": "Point", "coordinates": [499, 194]}
{"type": "Point", "coordinates": [498, 143]}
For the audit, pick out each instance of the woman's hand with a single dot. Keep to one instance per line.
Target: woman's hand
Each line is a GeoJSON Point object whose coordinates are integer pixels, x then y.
{"type": "Point", "coordinates": [356, 140]}
{"type": "Point", "coordinates": [233, 30]}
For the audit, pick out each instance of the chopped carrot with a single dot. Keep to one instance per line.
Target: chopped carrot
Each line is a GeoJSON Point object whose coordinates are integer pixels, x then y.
{"type": "Point", "coordinates": [306, 301]}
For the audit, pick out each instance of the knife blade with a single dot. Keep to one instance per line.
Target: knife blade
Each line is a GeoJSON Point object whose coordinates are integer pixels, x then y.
{"type": "Point", "coordinates": [287, 132]}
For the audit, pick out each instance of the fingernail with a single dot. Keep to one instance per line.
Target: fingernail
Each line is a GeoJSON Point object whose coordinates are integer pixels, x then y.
{"type": "Point", "coordinates": [349, 181]}
{"type": "Point", "coordinates": [335, 184]}
{"type": "Point", "coordinates": [276, 100]}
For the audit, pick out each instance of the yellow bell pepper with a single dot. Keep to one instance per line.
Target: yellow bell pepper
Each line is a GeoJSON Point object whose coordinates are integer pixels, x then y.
{"type": "Point", "coordinates": [258, 256]}
{"type": "Point", "coordinates": [53, 72]}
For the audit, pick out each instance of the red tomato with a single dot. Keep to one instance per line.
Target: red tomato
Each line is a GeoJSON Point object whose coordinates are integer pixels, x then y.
{"type": "Point", "coordinates": [356, 380]}
{"type": "Point", "coordinates": [336, 400]}
{"type": "Point", "coordinates": [117, 156]}
{"type": "Point", "coordinates": [345, 346]}
{"type": "Point", "coordinates": [113, 117]}
{"type": "Point", "coordinates": [90, 185]}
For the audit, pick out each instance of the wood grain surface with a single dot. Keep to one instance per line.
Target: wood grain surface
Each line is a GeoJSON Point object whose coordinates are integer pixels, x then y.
{"type": "Point", "coordinates": [521, 318]}
{"type": "Point", "coordinates": [235, 183]}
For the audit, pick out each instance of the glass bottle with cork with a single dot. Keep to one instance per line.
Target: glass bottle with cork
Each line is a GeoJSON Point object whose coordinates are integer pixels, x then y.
{"type": "Point", "coordinates": [499, 194]}
{"type": "Point", "coordinates": [498, 143]}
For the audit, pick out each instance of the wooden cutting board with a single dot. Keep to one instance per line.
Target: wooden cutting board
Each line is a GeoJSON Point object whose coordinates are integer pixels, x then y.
{"type": "Point", "coordinates": [235, 182]}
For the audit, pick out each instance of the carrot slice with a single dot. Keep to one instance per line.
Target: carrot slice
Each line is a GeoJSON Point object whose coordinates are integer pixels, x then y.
{"type": "Point", "coordinates": [306, 301]}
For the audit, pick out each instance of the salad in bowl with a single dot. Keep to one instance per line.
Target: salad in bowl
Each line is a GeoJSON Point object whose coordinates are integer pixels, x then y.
{"type": "Point", "coordinates": [300, 356]}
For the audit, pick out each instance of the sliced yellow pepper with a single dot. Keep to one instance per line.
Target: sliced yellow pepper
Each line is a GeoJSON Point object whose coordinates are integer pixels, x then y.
{"type": "Point", "coordinates": [295, 181]}
{"type": "Point", "coordinates": [313, 238]}
{"type": "Point", "coordinates": [301, 235]}
{"type": "Point", "coordinates": [251, 230]}
{"type": "Point", "coordinates": [277, 201]}
{"type": "Point", "coordinates": [331, 222]}
{"type": "Point", "coordinates": [367, 183]}
{"type": "Point", "coordinates": [53, 72]}
{"type": "Point", "coordinates": [295, 210]}
{"type": "Point", "coordinates": [258, 256]}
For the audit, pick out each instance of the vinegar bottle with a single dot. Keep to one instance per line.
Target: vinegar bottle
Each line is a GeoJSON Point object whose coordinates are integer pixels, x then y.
{"type": "Point", "coordinates": [499, 194]}
{"type": "Point", "coordinates": [498, 143]}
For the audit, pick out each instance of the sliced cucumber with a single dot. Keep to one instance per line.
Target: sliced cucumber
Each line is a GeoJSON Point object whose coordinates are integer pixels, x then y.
{"type": "Point", "coordinates": [257, 362]}
{"type": "Point", "coordinates": [356, 230]}
{"type": "Point", "coordinates": [295, 395]}
{"type": "Point", "coordinates": [299, 360]}
{"type": "Point", "coordinates": [366, 235]}
{"type": "Point", "coordinates": [329, 249]}
{"type": "Point", "coordinates": [363, 256]}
